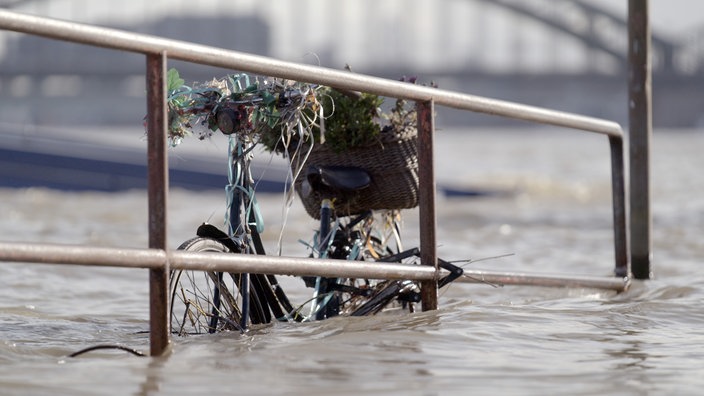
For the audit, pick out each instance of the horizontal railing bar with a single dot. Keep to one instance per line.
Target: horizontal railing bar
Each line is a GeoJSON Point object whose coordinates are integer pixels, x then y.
{"type": "Point", "coordinates": [82, 255]}
{"type": "Point", "coordinates": [296, 266]}
{"type": "Point", "coordinates": [545, 280]}
{"type": "Point", "coordinates": [202, 54]}
{"type": "Point", "coordinates": [178, 259]}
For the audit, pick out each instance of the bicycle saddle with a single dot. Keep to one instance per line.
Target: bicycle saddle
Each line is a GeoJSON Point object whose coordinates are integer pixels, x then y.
{"type": "Point", "coordinates": [337, 180]}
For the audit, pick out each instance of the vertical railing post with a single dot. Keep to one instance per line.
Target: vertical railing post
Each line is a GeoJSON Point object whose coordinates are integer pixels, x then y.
{"type": "Point", "coordinates": [620, 205]}
{"type": "Point", "coordinates": [158, 185]}
{"type": "Point", "coordinates": [426, 197]}
{"type": "Point", "coordinates": [640, 109]}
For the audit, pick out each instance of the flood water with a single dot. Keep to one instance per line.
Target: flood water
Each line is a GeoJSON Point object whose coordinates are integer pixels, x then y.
{"type": "Point", "coordinates": [551, 214]}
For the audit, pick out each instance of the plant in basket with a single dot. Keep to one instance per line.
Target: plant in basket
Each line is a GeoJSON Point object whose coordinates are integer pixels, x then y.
{"type": "Point", "coordinates": [358, 133]}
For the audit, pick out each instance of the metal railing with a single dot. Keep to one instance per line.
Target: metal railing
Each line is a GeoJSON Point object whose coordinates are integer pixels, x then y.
{"type": "Point", "coordinates": [159, 260]}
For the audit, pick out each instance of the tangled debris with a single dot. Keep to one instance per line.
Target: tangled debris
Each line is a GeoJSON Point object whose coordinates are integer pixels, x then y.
{"type": "Point", "coordinates": [278, 113]}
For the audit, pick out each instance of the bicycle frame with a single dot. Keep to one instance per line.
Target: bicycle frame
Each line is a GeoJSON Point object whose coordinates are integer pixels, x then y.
{"type": "Point", "coordinates": [238, 176]}
{"type": "Point", "coordinates": [378, 298]}
{"type": "Point", "coordinates": [240, 201]}
{"type": "Point", "coordinates": [330, 225]}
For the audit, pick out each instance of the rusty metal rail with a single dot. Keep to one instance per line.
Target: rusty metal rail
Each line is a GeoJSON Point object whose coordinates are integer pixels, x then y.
{"type": "Point", "coordinates": [157, 259]}
{"type": "Point", "coordinates": [158, 50]}
{"type": "Point", "coordinates": [206, 55]}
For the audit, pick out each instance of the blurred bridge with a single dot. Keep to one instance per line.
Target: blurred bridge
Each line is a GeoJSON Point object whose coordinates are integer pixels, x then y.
{"type": "Point", "coordinates": [567, 55]}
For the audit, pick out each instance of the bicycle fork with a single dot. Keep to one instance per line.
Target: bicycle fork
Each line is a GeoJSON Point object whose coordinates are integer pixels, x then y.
{"type": "Point", "coordinates": [324, 237]}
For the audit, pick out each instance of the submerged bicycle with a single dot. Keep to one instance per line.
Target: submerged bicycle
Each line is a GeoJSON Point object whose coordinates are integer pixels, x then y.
{"type": "Point", "coordinates": [246, 111]}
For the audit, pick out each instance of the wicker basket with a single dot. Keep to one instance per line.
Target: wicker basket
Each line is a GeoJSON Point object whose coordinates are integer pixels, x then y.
{"type": "Point", "coordinates": [392, 164]}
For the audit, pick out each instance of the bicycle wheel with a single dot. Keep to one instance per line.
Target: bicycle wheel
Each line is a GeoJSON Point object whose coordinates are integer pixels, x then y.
{"type": "Point", "coordinates": [205, 302]}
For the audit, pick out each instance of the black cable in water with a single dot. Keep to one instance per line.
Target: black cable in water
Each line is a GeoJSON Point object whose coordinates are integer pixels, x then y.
{"type": "Point", "coordinates": [96, 347]}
